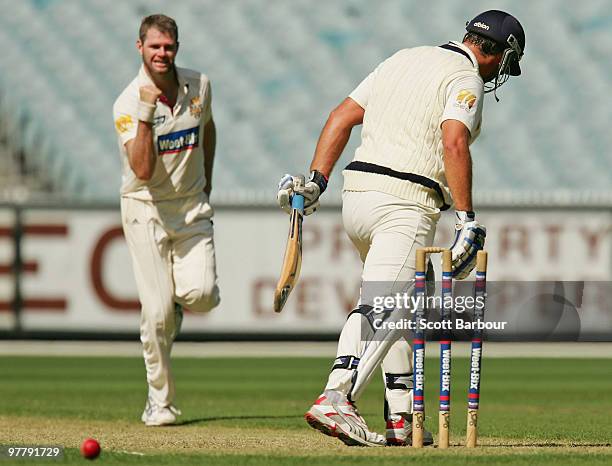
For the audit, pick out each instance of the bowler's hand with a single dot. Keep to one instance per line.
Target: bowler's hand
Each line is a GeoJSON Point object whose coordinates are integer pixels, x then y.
{"type": "Point", "coordinates": [149, 94]}
{"type": "Point", "coordinates": [146, 104]}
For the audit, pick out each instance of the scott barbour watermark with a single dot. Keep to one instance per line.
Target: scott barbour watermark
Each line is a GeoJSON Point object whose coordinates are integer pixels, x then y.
{"type": "Point", "coordinates": [424, 325]}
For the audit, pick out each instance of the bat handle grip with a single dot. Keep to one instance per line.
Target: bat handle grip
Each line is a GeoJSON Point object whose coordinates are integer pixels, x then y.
{"type": "Point", "coordinates": [297, 202]}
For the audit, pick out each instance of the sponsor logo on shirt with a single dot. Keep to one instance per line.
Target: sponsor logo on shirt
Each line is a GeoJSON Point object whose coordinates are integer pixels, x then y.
{"type": "Point", "coordinates": [178, 141]}
{"type": "Point", "coordinates": [465, 100]}
{"type": "Point", "coordinates": [124, 123]}
{"type": "Point", "coordinates": [159, 120]}
{"type": "Point", "coordinates": [481, 25]}
{"type": "Point", "coordinates": [195, 107]}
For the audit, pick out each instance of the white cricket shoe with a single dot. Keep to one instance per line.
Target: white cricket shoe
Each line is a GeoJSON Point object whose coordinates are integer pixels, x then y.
{"type": "Point", "coordinates": [342, 420]}
{"type": "Point", "coordinates": [154, 415]}
{"type": "Point", "coordinates": [399, 431]}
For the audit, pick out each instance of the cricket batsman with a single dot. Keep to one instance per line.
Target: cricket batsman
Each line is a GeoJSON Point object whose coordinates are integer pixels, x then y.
{"type": "Point", "coordinates": [421, 109]}
{"type": "Point", "coordinates": [167, 138]}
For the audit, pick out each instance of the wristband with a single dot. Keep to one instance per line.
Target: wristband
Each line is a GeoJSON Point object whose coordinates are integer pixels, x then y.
{"type": "Point", "coordinates": [465, 215]}
{"type": "Point", "coordinates": [319, 179]}
{"type": "Point", "coordinates": [146, 111]}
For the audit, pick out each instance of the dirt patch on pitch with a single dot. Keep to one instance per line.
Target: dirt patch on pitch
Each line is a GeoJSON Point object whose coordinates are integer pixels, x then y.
{"type": "Point", "coordinates": [134, 438]}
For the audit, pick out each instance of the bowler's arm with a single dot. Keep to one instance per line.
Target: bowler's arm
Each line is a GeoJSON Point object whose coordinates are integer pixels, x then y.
{"type": "Point", "coordinates": [141, 153]}
{"type": "Point", "coordinates": [140, 150]}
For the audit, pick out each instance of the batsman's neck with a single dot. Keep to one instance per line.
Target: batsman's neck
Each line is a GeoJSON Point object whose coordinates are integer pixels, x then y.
{"type": "Point", "coordinates": [487, 64]}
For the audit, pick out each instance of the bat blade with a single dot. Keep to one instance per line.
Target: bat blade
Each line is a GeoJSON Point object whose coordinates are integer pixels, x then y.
{"type": "Point", "coordinates": [292, 261]}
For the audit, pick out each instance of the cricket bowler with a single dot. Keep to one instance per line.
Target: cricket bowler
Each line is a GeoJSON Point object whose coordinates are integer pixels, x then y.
{"type": "Point", "coordinates": [167, 136]}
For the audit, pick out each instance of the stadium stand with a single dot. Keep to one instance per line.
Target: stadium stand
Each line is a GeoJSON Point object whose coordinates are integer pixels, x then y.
{"type": "Point", "coordinates": [278, 67]}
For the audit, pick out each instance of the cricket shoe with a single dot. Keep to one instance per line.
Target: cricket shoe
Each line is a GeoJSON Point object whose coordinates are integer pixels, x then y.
{"type": "Point", "coordinates": [342, 420]}
{"type": "Point", "coordinates": [399, 431]}
{"type": "Point", "coordinates": [154, 415]}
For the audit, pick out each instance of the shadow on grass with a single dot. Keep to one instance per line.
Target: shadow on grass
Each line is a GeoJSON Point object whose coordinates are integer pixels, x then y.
{"type": "Point", "coordinates": [204, 420]}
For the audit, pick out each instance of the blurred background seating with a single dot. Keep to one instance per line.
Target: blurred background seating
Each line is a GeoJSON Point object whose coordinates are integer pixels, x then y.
{"type": "Point", "coordinates": [277, 68]}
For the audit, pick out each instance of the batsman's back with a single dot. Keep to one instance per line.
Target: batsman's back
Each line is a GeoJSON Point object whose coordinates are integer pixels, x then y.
{"type": "Point", "coordinates": [406, 102]}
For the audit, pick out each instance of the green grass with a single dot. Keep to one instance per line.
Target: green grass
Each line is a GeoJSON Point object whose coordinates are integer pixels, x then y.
{"type": "Point", "coordinates": [249, 411]}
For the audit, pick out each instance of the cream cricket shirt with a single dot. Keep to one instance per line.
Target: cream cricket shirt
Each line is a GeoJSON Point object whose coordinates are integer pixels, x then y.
{"type": "Point", "coordinates": [177, 132]}
{"type": "Point", "coordinates": [406, 99]}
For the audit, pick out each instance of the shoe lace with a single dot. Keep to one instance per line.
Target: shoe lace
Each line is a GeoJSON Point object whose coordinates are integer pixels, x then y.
{"type": "Point", "coordinates": [356, 412]}
{"type": "Point", "coordinates": [372, 436]}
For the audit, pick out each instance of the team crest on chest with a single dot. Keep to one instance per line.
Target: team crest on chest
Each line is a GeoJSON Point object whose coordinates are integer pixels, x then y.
{"type": "Point", "coordinates": [195, 107]}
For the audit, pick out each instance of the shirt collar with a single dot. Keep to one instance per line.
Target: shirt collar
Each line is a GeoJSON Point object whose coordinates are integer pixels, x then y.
{"type": "Point", "coordinates": [466, 50]}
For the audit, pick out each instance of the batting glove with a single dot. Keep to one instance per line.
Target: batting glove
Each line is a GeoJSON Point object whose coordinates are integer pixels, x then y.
{"type": "Point", "coordinates": [469, 239]}
{"type": "Point", "coordinates": [311, 191]}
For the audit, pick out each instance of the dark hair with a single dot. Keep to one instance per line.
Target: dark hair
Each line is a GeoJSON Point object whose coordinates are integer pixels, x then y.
{"type": "Point", "coordinates": [487, 46]}
{"type": "Point", "coordinates": [162, 23]}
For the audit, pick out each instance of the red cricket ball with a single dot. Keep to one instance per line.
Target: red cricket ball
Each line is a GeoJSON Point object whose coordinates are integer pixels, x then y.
{"type": "Point", "coordinates": [90, 448]}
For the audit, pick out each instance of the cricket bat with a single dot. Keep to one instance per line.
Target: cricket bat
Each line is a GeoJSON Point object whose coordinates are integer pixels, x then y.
{"type": "Point", "coordinates": [292, 262]}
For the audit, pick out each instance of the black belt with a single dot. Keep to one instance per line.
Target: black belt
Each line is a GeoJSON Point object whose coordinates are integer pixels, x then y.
{"type": "Point", "coordinates": [412, 177]}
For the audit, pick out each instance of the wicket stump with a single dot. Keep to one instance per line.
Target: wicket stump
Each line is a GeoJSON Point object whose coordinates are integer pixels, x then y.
{"type": "Point", "coordinates": [418, 348]}
{"type": "Point", "coordinates": [476, 353]}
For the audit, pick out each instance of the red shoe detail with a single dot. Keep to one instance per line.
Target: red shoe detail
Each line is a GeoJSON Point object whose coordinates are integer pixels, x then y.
{"type": "Point", "coordinates": [396, 424]}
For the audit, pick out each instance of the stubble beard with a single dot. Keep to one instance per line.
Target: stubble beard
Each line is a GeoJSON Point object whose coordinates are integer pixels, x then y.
{"type": "Point", "coordinates": [153, 72]}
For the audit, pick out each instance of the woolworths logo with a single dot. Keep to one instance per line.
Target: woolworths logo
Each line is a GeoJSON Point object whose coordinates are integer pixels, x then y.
{"type": "Point", "coordinates": [481, 25]}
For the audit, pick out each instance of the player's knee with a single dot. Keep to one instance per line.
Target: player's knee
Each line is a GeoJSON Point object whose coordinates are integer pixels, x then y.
{"type": "Point", "coordinates": [202, 299]}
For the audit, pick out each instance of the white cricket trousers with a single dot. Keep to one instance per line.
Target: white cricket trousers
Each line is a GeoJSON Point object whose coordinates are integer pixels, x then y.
{"type": "Point", "coordinates": [387, 231]}
{"type": "Point", "coordinates": [173, 256]}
